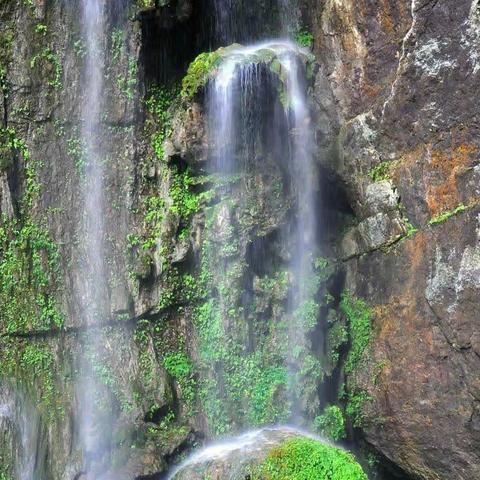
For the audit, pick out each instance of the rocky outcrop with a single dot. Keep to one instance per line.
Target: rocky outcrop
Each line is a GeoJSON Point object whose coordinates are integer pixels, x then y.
{"type": "Point", "coordinates": [403, 74]}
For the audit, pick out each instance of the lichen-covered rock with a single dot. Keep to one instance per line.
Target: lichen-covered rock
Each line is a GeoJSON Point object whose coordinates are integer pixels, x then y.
{"type": "Point", "coordinates": [402, 74]}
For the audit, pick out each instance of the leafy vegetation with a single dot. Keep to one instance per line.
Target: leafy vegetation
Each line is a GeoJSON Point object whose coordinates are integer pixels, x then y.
{"type": "Point", "coordinates": [304, 38]}
{"type": "Point", "coordinates": [180, 367]}
{"type": "Point", "coordinates": [331, 423]}
{"type": "Point", "coordinates": [158, 104]}
{"type": "Point", "coordinates": [198, 73]}
{"type": "Point", "coordinates": [381, 171]}
{"type": "Point", "coordinates": [49, 59]}
{"type": "Point", "coordinates": [127, 83]}
{"type": "Point", "coordinates": [29, 261]}
{"type": "Point", "coordinates": [34, 364]}
{"type": "Point", "coordinates": [356, 399]}
{"type": "Point", "coordinates": [307, 459]}
{"type": "Point", "coordinates": [359, 328]}
{"type": "Point", "coordinates": [444, 216]}
{"type": "Point", "coordinates": [77, 151]}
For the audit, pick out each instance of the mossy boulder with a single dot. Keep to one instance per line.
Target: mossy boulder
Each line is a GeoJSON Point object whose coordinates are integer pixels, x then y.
{"type": "Point", "coordinates": [271, 454]}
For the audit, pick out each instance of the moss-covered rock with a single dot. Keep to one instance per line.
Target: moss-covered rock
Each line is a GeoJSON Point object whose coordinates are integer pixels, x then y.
{"type": "Point", "coordinates": [271, 454]}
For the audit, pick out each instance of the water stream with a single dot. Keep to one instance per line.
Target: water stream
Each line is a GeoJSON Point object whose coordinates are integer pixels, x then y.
{"type": "Point", "coordinates": [20, 428]}
{"type": "Point", "coordinates": [92, 287]}
{"type": "Point", "coordinates": [239, 129]}
{"type": "Point", "coordinates": [275, 68]}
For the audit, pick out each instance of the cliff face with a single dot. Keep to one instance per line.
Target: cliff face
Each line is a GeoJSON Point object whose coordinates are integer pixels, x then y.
{"type": "Point", "coordinates": [403, 75]}
{"type": "Point", "coordinates": [397, 147]}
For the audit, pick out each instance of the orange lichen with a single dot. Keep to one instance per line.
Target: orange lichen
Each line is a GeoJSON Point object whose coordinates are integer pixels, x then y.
{"type": "Point", "coordinates": [438, 171]}
{"type": "Point", "coordinates": [385, 17]}
{"type": "Point", "coordinates": [444, 169]}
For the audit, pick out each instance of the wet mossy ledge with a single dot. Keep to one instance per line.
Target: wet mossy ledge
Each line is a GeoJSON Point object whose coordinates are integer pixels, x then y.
{"type": "Point", "coordinates": [206, 64]}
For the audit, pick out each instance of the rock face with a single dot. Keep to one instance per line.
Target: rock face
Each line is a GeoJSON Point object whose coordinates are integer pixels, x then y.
{"type": "Point", "coordinates": [396, 123]}
{"type": "Point", "coordinates": [403, 74]}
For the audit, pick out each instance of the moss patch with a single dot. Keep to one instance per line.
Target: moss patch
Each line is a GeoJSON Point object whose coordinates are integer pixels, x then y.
{"type": "Point", "coordinates": [359, 328]}
{"type": "Point", "coordinates": [444, 216]}
{"type": "Point", "coordinates": [307, 459]}
{"type": "Point", "coordinates": [198, 73]}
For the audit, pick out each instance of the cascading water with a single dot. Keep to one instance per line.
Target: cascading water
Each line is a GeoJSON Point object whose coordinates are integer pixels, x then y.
{"type": "Point", "coordinates": [241, 449]}
{"type": "Point", "coordinates": [258, 108]}
{"type": "Point", "coordinates": [304, 234]}
{"type": "Point", "coordinates": [237, 21]}
{"type": "Point", "coordinates": [20, 429]}
{"type": "Point", "coordinates": [92, 279]}
{"type": "Point", "coordinates": [235, 122]}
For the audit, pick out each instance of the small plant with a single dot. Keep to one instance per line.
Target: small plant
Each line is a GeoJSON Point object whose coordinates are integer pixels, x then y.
{"type": "Point", "coordinates": [304, 38]}
{"type": "Point", "coordinates": [41, 29]}
{"type": "Point", "coordinates": [51, 61]}
{"type": "Point", "coordinates": [180, 367]}
{"type": "Point", "coordinates": [117, 44]}
{"type": "Point", "coordinates": [380, 172]}
{"type": "Point", "coordinates": [79, 48]}
{"type": "Point", "coordinates": [177, 364]}
{"type": "Point", "coordinates": [3, 80]}
{"type": "Point", "coordinates": [356, 399]}
{"type": "Point", "coordinates": [444, 216]}
{"type": "Point", "coordinates": [76, 150]}
{"type": "Point", "coordinates": [331, 423]}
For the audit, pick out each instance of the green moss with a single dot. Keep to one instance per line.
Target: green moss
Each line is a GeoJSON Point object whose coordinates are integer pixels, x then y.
{"type": "Point", "coordinates": [253, 385]}
{"type": "Point", "coordinates": [29, 259]}
{"type": "Point", "coordinates": [28, 275]}
{"type": "Point", "coordinates": [307, 459]}
{"type": "Point", "coordinates": [444, 216]}
{"type": "Point", "coordinates": [33, 365]}
{"type": "Point", "coordinates": [198, 73]}
{"type": "Point", "coordinates": [411, 229]}
{"type": "Point", "coordinates": [331, 423]}
{"type": "Point", "coordinates": [358, 317]}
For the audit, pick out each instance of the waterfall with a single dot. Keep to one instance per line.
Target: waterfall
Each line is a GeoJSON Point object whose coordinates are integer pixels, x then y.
{"type": "Point", "coordinates": [304, 234]}
{"type": "Point", "coordinates": [20, 429]}
{"type": "Point", "coordinates": [237, 21]}
{"type": "Point", "coordinates": [257, 108]}
{"type": "Point", "coordinates": [92, 278]}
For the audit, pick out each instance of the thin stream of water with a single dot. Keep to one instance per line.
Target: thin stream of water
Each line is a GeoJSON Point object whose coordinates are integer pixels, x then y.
{"type": "Point", "coordinates": [237, 81]}
{"type": "Point", "coordinates": [92, 287]}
